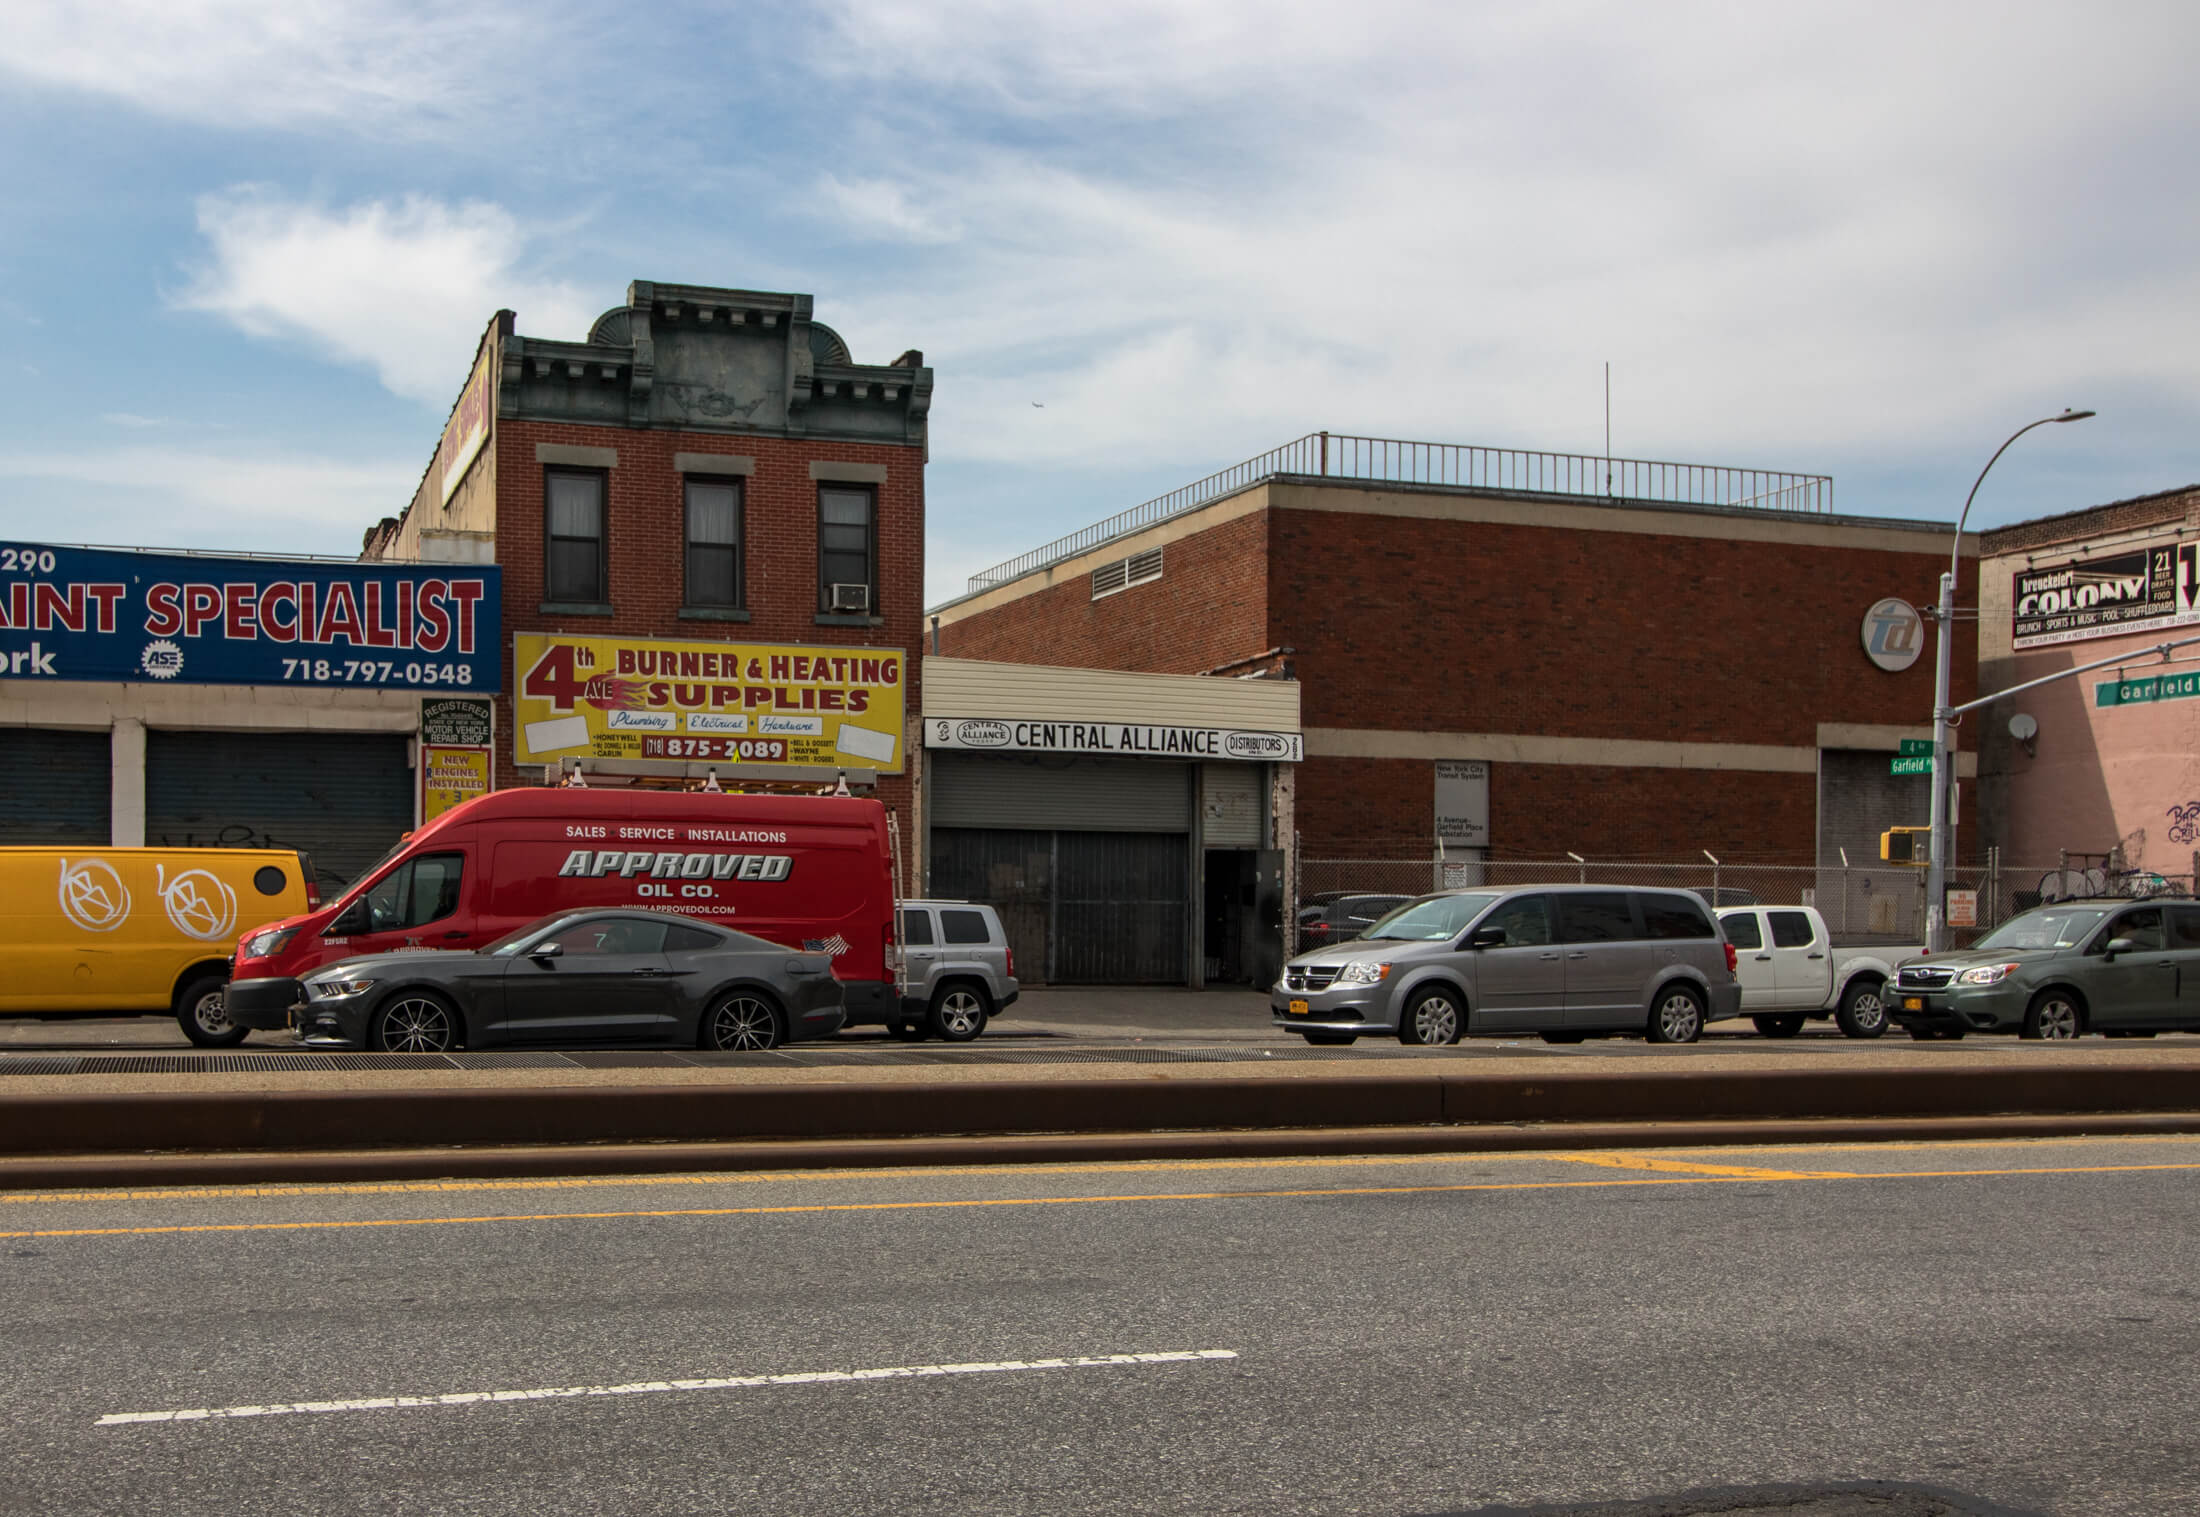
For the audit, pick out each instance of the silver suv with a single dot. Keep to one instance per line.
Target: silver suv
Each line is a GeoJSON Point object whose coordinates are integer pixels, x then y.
{"type": "Point", "coordinates": [1562, 961]}
{"type": "Point", "coordinates": [958, 972]}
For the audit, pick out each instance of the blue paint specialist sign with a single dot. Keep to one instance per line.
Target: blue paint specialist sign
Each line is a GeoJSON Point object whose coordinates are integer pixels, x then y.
{"type": "Point", "coordinates": [159, 618]}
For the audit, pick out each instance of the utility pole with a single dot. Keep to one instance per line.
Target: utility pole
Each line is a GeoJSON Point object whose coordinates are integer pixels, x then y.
{"type": "Point", "coordinates": [1936, 871]}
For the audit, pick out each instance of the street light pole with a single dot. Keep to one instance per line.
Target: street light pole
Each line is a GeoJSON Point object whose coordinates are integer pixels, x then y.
{"type": "Point", "coordinates": [1936, 871]}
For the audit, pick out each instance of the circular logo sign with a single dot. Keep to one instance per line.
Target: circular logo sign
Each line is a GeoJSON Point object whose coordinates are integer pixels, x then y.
{"type": "Point", "coordinates": [161, 659]}
{"type": "Point", "coordinates": [1894, 634]}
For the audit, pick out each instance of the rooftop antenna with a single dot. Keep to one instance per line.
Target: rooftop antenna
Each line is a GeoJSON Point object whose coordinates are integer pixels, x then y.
{"type": "Point", "coordinates": [1607, 426]}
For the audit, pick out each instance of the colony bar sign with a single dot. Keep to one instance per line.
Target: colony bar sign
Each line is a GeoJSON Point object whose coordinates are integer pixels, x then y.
{"type": "Point", "coordinates": [2143, 590]}
{"type": "Point", "coordinates": [1123, 739]}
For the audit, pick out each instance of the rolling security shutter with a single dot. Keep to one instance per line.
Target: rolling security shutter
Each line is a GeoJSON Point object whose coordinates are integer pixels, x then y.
{"type": "Point", "coordinates": [58, 787]}
{"type": "Point", "coordinates": [1048, 793]}
{"type": "Point", "coordinates": [1230, 805]}
{"type": "Point", "coordinates": [343, 799]}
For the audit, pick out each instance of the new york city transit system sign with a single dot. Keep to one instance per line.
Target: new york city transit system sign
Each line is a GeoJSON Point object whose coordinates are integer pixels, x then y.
{"type": "Point", "coordinates": [117, 614]}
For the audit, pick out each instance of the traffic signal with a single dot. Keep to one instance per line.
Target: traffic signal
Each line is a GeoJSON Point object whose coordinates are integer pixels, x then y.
{"type": "Point", "coordinates": [1906, 845]}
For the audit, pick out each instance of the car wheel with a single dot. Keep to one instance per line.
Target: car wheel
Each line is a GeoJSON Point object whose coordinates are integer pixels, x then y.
{"type": "Point", "coordinates": [1331, 1039]}
{"type": "Point", "coordinates": [1431, 1017]}
{"type": "Point", "coordinates": [958, 1012]}
{"type": "Point", "coordinates": [1863, 1009]}
{"type": "Point", "coordinates": [906, 1031]}
{"type": "Point", "coordinates": [415, 1023]}
{"type": "Point", "coordinates": [1781, 1026]}
{"type": "Point", "coordinates": [1677, 1017]}
{"type": "Point", "coordinates": [743, 1023]}
{"type": "Point", "coordinates": [2053, 1015]}
{"type": "Point", "coordinates": [202, 1012]}
{"type": "Point", "coordinates": [1563, 1037]}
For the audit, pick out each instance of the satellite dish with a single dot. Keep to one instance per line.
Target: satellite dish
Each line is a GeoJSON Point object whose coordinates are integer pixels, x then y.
{"type": "Point", "coordinates": [2023, 728]}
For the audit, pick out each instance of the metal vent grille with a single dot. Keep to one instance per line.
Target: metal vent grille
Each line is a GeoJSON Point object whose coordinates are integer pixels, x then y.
{"type": "Point", "coordinates": [1138, 569]}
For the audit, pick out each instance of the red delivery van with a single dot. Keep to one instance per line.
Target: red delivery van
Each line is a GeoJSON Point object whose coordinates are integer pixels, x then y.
{"type": "Point", "coordinates": [811, 872]}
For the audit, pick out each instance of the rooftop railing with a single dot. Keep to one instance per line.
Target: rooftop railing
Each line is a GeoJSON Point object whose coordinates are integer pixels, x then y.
{"type": "Point", "coordinates": [1387, 460]}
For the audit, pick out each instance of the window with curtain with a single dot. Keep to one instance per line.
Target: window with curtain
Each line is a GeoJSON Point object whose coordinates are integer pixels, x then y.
{"type": "Point", "coordinates": [846, 542]}
{"type": "Point", "coordinates": [714, 544]}
{"type": "Point", "coordinates": [573, 569]}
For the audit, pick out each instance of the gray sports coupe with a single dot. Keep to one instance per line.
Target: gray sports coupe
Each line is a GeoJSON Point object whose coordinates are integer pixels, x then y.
{"type": "Point", "coordinates": [579, 978]}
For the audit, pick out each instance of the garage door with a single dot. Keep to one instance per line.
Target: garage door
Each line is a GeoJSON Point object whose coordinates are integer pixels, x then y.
{"type": "Point", "coordinates": [58, 787]}
{"type": "Point", "coordinates": [343, 799]}
{"type": "Point", "coordinates": [1080, 908]}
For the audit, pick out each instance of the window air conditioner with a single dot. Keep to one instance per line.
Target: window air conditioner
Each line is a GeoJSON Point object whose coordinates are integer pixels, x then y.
{"type": "Point", "coordinates": [854, 598]}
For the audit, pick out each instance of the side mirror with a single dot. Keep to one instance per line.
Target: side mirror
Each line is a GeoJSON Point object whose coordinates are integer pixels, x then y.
{"type": "Point", "coordinates": [352, 922]}
{"type": "Point", "coordinates": [2116, 946]}
{"type": "Point", "coordinates": [1487, 937]}
{"type": "Point", "coordinates": [550, 950]}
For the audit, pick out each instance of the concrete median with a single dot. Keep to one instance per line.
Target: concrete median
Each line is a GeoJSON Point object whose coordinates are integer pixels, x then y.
{"type": "Point", "coordinates": [1440, 1107]}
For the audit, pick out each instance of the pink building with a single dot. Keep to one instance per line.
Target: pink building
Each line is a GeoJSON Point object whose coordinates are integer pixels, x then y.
{"type": "Point", "coordinates": [2106, 762]}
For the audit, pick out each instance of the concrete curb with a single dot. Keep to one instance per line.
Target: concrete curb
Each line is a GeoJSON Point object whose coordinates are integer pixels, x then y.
{"type": "Point", "coordinates": [67, 1172]}
{"type": "Point", "coordinates": [203, 1121]}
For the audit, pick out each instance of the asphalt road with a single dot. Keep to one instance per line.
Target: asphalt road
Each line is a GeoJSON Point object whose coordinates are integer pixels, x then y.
{"type": "Point", "coordinates": [1340, 1336]}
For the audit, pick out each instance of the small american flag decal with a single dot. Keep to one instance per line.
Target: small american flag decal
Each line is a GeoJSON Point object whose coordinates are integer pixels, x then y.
{"type": "Point", "coordinates": [834, 946]}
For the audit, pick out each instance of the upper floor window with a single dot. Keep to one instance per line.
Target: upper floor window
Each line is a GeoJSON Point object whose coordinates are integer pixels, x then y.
{"type": "Point", "coordinates": [574, 557]}
{"type": "Point", "coordinates": [847, 549]}
{"type": "Point", "coordinates": [714, 544]}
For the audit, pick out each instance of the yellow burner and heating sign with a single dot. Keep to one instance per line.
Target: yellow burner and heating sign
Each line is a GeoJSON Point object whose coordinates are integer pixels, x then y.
{"type": "Point", "coordinates": [730, 703]}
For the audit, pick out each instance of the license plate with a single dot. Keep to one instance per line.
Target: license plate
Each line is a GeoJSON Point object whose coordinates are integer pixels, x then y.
{"type": "Point", "coordinates": [1298, 1008]}
{"type": "Point", "coordinates": [1913, 1003]}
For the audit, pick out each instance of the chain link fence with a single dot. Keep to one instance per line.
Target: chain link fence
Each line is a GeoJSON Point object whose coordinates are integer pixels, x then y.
{"type": "Point", "coordinates": [1882, 904]}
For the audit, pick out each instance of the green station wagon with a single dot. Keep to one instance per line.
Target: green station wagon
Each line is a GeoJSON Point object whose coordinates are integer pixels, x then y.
{"type": "Point", "coordinates": [2123, 968]}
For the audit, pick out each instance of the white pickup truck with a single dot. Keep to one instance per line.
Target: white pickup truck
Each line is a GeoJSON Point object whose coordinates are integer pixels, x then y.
{"type": "Point", "coordinates": [1790, 972]}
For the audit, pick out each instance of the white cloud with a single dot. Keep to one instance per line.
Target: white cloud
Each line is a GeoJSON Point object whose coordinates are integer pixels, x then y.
{"type": "Point", "coordinates": [1198, 231]}
{"type": "Point", "coordinates": [879, 208]}
{"type": "Point", "coordinates": [265, 501]}
{"type": "Point", "coordinates": [404, 287]}
{"type": "Point", "coordinates": [392, 67]}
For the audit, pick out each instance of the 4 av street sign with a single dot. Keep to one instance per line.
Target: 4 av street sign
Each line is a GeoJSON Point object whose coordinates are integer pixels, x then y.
{"type": "Point", "coordinates": [1916, 747]}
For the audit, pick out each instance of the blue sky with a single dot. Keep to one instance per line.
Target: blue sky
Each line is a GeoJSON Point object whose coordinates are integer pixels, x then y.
{"type": "Point", "coordinates": [248, 247]}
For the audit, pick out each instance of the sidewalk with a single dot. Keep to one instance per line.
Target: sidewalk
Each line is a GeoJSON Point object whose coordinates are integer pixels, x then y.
{"type": "Point", "coordinates": [1140, 1011]}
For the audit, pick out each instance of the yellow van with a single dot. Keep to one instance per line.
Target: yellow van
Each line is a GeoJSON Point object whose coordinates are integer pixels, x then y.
{"type": "Point", "coordinates": [87, 931]}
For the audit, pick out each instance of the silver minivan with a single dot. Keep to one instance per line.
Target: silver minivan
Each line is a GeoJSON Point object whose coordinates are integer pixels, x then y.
{"type": "Point", "coordinates": [957, 970]}
{"type": "Point", "coordinates": [1564, 962]}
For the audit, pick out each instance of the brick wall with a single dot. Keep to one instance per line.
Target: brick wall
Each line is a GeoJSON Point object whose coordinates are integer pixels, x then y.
{"type": "Point", "coordinates": [1385, 808]}
{"type": "Point", "coordinates": [1484, 627]}
{"type": "Point", "coordinates": [2096, 521]}
{"type": "Point", "coordinates": [646, 544]}
{"type": "Point", "coordinates": [1208, 608]}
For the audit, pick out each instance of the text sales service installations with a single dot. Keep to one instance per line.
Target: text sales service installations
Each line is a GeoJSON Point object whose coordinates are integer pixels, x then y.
{"type": "Point", "coordinates": [105, 614]}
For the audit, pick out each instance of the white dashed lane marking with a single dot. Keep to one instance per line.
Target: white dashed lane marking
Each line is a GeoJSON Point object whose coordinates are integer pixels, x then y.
{"type": "Point", "coordinates": [659, 1387]}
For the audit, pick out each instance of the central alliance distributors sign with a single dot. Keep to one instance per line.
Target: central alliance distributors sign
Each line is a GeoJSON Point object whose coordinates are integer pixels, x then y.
{"type": "Point", "coordinates": [182, 618]}
{"type": "Point", "coordinates": [2147, 589]}
{"type": "Point", "coordinates": [578, 696]}
{"type": "Point", "coordinates": [1121, 739]}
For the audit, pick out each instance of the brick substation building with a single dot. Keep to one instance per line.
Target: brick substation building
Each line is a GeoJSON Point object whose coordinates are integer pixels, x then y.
{"type": "Point", "coordinates": [1522, 656]}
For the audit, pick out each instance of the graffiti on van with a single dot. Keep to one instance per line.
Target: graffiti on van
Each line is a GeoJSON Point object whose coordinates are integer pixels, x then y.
{"type": "Point", "coordinates": [244, 835]}
{"type": "Point", "coordinates": [200, 904]}
{"type": "Point", "coordinates": [93, 895]}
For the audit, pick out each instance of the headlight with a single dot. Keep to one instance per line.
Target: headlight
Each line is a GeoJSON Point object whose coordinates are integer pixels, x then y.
{"type": "Point", "coordinates": [1987, 974]}
{"type": "Point", "coordinates": [337, 989]}
{"type": "Point", "coordinates": [1363, 972]}
{"type": "Point", "coordinates": [274, 940]}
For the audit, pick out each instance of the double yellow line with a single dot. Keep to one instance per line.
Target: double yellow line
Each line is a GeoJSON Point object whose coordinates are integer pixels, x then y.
{"type": "Point", "coordinates": [1658, 1171]}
